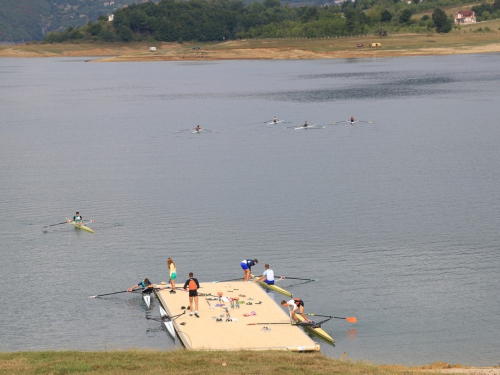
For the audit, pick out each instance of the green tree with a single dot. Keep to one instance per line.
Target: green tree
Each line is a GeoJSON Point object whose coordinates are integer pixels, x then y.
{"type": "Point", "coordinates": [441, 21]}
{"type": "Point", "coordinates": [125, 33]}
{"type": "Point", "coordinates": [405, 16]}
{"type": "Point", "coordinates": [386, 16]}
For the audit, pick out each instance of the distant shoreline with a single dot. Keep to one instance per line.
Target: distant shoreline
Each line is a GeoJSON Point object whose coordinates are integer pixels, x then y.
{"type": "Point", "coordinates": [269, 49]}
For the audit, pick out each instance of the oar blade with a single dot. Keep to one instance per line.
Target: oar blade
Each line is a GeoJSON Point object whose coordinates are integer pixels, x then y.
{"type": "Point", "coordinates": [351, 319]}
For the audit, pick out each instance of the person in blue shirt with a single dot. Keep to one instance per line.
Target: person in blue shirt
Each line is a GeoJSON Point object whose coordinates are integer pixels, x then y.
{"type": "Point", "coordinates": [145, 284]}
{"type": "Point", "coordinates": [247, 264]}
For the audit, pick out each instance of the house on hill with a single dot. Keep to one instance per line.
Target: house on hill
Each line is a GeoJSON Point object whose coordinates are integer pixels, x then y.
{"type": "Point", "coordinates": [464, 17]}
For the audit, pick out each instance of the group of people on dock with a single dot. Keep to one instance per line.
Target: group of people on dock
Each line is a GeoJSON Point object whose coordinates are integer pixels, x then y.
{"type": "Point", "coordinates": [192, 285]}
{"type": "Point", "coordinates": [295, 305]}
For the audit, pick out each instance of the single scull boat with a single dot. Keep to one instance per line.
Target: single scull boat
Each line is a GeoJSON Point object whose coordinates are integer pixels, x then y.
{"type": "Point", "coordinates": [80, 226]}
{"type": "Point", "coordinates": [273, 287]}
{"type": "Point", "coordinates": [317, 331]}
{"type": "Point", "coordinates": [167, 322]}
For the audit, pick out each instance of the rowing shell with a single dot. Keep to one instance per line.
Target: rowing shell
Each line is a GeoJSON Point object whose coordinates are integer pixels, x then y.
{"type": "Point", "coordinates": [275, 122]}
{"type": "Point", "coordinates": [147, 299]}
{"type": "Point", "coordinates": [309, 127]}
{"type": "Point", "coordinates": [275, 288]}
{"type": "Point", "coordinates": [317, 331]}
{"type": "Point", "coordinates": [167, 322]}
{"type": "Point", "coordinates": [80, 226]}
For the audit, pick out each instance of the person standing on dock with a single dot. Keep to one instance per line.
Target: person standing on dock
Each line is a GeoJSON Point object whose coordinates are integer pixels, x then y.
{"type": "Point", "coordinates": [193, 285]}
{"type": "Point", "coordinates": [247, 264]}
{"type": "Point", "coordinates": [145, 284]}
{"type": "Point", "coordinates": [173, 274]}
{"type": "Point", "coordinates": [295, 305]}
{"type": "Point", "coordinates": [268, 276]}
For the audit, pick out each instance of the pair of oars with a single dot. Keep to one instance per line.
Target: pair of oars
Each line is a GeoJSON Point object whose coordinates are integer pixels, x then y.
{"type": "Point", "coordinates": [125, 291]}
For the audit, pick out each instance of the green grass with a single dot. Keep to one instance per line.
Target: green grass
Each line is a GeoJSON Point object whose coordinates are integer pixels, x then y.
{"type": "Point", "coordinates": [186, 362]}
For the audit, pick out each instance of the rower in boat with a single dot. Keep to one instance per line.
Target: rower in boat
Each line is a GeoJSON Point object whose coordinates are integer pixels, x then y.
{"type": "Point", "coordinates": [247, 264]}
{"type": "Point", "coordinates": [296, 305]}
{"type": "Point", "coordinates": [198, 128]}
{"type": "Point", "coordinates": [78, 218]}
{"type": "Point", "coordinates": [305, 124]}
{"type": "Point", "coordinates": [146, 285]}
{"type": "Point", "coordinates": [267, 276]}
{"type": "Point", "coordinates": [352, 119]}
{"type": "Point", "coordinates": [275, 120]}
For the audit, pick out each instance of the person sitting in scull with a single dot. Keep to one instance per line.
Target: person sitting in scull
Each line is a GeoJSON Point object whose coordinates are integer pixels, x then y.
{"type": "Point", "coordinates": [275, 120]}
{"type": "Point", "coordinates": [145, 284]}
{"type": "Point", "coordinates": [305, 124]}
{"type": "Point", "coordinates": [268, 276]}
{"type": "Point", "coordinates": [197, 128]}
{"type": "Point", "coordinates": [352, 119]}
{"type": "Point", "coordinates": [78, 218]}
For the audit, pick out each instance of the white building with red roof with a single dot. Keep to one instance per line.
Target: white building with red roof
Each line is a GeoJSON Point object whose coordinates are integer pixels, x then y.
{"type": "Point", "coordinates": [464, 17]}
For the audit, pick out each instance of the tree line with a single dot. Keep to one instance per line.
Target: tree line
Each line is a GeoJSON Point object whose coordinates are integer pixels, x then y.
{"type": "Point", "coordinates": [211, 20]}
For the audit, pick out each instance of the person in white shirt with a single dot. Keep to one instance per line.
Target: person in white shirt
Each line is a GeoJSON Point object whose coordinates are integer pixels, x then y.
{"type": "Point", "coordinates": [268, 276]}
{"type": "Point", "coordinates": [295, 305]}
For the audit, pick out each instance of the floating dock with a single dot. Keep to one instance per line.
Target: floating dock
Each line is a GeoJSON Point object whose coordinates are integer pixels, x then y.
{"type": "Point", "coordinates": [206, 333]}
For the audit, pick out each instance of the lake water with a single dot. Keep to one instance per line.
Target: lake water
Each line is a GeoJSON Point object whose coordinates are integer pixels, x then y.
{"type": "Point", "coordinates": [398, 220]}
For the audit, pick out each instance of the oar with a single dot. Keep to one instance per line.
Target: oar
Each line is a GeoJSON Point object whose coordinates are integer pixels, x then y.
{"type": "Point", "coordinates": [108, 294]}
{"type": "Point", "coordinates": [350, 319]}
{"type": "Point", "coordinates": [223, 281]}
{"type": "Point", "coordinates": [102, 222]}
{"type": "Point", "coordinates": [51, 225]}
{"type": "Point", "coordinates": [295, 278]}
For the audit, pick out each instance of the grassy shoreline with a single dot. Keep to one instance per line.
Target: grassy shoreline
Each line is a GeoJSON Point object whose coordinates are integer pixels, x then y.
{"type": "Point", "coordinates": [146, 362]}
{"type": "Point", "coordinates": [463, 41]}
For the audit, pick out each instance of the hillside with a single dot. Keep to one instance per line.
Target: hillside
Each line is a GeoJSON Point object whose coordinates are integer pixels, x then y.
{"type": "Point", "coordinates": [22, 20]}
{"type": "Point", "coordinates": [26, 20]}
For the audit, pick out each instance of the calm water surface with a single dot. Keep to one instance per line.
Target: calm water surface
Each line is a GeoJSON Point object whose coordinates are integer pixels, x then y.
{"type": "Point", "coordinates": [398, 219]}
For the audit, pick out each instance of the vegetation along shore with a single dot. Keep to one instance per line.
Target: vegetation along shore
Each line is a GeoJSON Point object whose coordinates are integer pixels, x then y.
{"type": "Point", "coordinates": [147, 362]}
{"type": "Point", "coordinates": [465, 42]}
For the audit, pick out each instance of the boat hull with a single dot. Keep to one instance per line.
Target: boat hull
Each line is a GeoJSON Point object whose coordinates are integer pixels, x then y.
{"type": "Point", "coordinates": [147, 299]}
{"type": "Point", "coordinates": [275, 288]}
{"type": "Point", "coordinates": [80, 226]}
{"type": "Point", "coordinates": [320, 332]}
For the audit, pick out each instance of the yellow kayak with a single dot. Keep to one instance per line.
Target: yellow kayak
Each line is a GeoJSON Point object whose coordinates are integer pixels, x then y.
{"type": "Point", "coordinates": [317, 331]}
{"type": "Point", "coordinates": [80, 226]}
{"type": "Point", "coordinates": [275, 288]}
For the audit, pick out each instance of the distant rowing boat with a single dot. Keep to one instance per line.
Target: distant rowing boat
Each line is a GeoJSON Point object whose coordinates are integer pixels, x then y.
{"type": "Point", "coordinates": [308, 127]}
{"type": "Point", "coordinates": [80, 226]}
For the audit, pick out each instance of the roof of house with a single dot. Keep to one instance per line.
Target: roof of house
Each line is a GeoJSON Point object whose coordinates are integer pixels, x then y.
{"type": "Point", "coordinates": [466, 13]}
